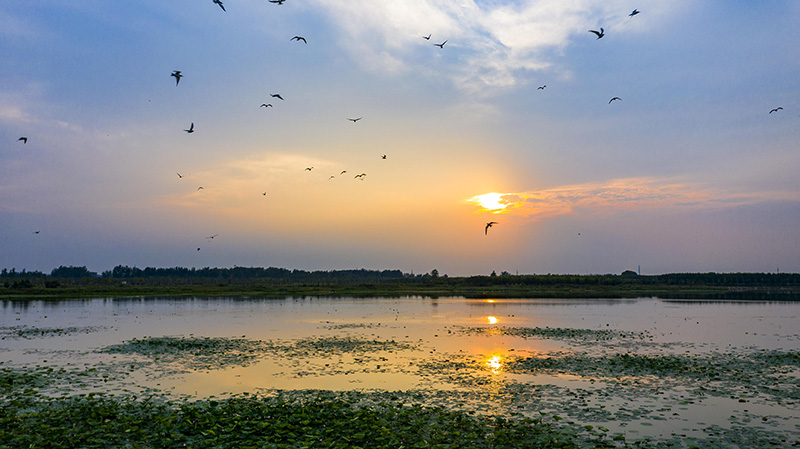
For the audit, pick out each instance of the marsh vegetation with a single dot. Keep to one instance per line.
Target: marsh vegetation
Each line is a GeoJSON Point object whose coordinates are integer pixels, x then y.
{"type": "Point", "coordinates": [413, 372]}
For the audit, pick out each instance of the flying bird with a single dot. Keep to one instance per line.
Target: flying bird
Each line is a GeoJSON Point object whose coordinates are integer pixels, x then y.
{"type": "Point", "coordinates": [599, 34]}
{"type": "Point", "coordinates": [615, 98]}
{"type": "Point", "coordinates": [343, 172]}
{"type": "Point", "coordinates": [177, 75]}
{"type": "Point", "coordinates": [266, 105]}
{"type": "Point", "coordinates": [442, 44]}
{"type": "Point", "coordinates": [489, 225]}
{"type": "Point", "coordinates": [180, 176]}
{"type": "Point", "coordinates": [383, 157]}
{"type": "Point", "coordinates": [541, 87]}
{"type": "Point", "coordinates": [210, 237]}
{"type": "Point", "coordinates": [776, 109]}
{"type": "Point", "coordinates": [264, 193]}
{"type": "Point", "coordinates": [298, 39]}
{"type": "Point", "coordinates": [331, 177]}
{"type": "Point", "coordinates": [23, 139]}
{"type": "Point", "coordinates": [278, 96]}
{"type": "Point", "coordinates": [361, 176]}
{"type": "Point", "coordinates": [309, 168]}
{"type": "Point", "coordinates": [200, 188]}
{"type": "Point", "coordinates": [191, 128]}
{"type": "Point", "coordinates": [35, 232]}
{"type": "Point", "coordinates": [427, 38]}
{"type": "Point", "coordinates": [635, 11]}
{"type": "Point", "coordinates": [219, 2]}
{"type": "Point", "coordinates": [279, 2]}
{"type": "Point", "coordinates": [355, 119]}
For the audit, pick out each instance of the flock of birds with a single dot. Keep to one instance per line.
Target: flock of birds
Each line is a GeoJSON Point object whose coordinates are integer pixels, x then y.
{"type": "Point", "coordinates": [178, 75]}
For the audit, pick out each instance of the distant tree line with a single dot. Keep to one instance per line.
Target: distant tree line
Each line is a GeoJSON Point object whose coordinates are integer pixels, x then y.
{"type": "Point", "coordinates": [631, 278]}
{"type": "Point", "coordinates": [74, 274]}
{"type": "Point", "coordinates": [247, 273]}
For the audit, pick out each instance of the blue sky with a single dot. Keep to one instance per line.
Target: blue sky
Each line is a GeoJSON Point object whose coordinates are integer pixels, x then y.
{"type": "Point", "coordinates": [689, 171]}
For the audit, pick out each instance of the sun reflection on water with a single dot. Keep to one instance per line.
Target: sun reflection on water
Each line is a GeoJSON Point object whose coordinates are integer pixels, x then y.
{"type": "Point", "coordinates": [495, 364]}
{"type": "Point", "coordinates": [492, 319]}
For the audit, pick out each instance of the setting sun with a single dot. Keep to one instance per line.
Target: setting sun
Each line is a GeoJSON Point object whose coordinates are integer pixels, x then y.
{"type": "Point", "coordinates": [492, 319]}
{"type": "Point", "coordinates": [492, 202]}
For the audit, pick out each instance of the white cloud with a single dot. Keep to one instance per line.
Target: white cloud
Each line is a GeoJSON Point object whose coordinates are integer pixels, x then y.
{"type": "Point", "coordinates": [492, 44]}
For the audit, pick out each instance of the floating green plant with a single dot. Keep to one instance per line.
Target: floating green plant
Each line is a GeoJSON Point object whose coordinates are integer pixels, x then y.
{"type": "Point", "coordinates": [26, 332]}
{"type": "Point", "coordinates": [194, 353]}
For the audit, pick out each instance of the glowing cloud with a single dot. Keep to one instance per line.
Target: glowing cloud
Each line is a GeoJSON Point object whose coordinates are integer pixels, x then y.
{"type": "Point", "coordinates": [491, 202]}
{"type": "Point", "coordinates": [618, 194]}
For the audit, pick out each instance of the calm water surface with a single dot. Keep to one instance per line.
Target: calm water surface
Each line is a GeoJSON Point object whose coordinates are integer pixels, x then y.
{"type": "Point", "coordinates": [436, 330]}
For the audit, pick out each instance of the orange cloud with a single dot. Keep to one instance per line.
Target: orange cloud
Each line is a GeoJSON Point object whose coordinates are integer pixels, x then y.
{"type": "Point", "coordinates": [617, 194]}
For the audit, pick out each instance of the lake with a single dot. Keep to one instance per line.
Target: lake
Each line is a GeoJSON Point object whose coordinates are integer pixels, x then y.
{"type": "Point", "coordinates": [645, 368]}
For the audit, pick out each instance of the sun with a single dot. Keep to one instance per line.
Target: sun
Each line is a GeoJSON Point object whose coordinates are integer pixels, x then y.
{"type": "Point", "coordinates": [492, 202]}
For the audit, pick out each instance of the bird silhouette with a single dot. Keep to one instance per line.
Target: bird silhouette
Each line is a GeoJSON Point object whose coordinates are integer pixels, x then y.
{"type": "Point", "coordinates": [309, 168]}
{"type": "Point", "coordinates": [264, 193]}
{"type": "Point", "coordinates": [298, 39]}
{"type": "Point", "coordinates": [200, 188]}
{"type": "Point", "coordinates": [35, 232]}
{"type": "Point", "coordinates": [355, 119]}
{"type": "Point", "coordinates": [266, 105]}
{"type": "Point", "coordinates": [279, 2]}
{"type": "Point", "coordinates": [210, 237]}
{"type": "Point", "coordinates": [361, 176]}
{"type": "Point", "coordinates": [191, 128]}
{"type": "Point", "coordinates": [180, 176]}
{"type": "Point", "coordinates": [343, 172]}
{"type": "Point", "coordinates": [383, 157]}
{"type": "Point", "coordinates": [615, 98]}
{"type": "Point", "coordinates": [489, 225]}
{"type": "Point", "coordinates": [635, 11]}
{"type": "Point", "coordinates": [278, 96]}
{"type": "Point", "coordinates": [177, 75]}
{"type": "Point", "coordinates": [541, 87]}
{"type": "Point", "coordinates": [441, 45]}
{"type": "Point", "coordinates": [427, 38]}
{"type": "Point", "coordinates": [776, 109]}
{"type": "Point", "coordinates": [219, 2]}
{"type": "Point", "coordinates": [23, 139]}
{"type": "Point", "coordinates": [599, 34]}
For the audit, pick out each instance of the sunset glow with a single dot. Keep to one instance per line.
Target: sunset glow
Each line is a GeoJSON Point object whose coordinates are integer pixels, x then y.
{"type": "Point", "coordinates": [491, 319]}
{"type": "Point", "coordinates": [509, 123]}
{"type": "Point", "coordinates": [492, 202]}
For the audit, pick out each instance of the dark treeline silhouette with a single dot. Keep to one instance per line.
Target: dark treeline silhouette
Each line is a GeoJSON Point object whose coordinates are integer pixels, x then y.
{"type": "Point", "coordinates": [240, 275]}
{"type": "Point", "coordinates": [631, 278]}
{"type": "Point", "coordinates": [249, 273]}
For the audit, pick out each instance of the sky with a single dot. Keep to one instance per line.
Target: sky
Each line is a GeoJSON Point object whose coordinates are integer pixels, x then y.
{"type": "Point", "coordinates": [510, 121]}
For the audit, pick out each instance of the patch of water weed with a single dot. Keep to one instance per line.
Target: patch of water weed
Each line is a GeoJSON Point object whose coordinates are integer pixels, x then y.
{"type": "Point", "coordinates": [174, 355]}
{"type": "Point", "coordinates": [313, 419]}
{"type": "Point", "coordinates": [762, 373]}
{"type": "Point", "coordinates": [192, 353]}
{"type": "Point", "coordinates": [28, 333]}
{"type": "Point", "coordinates": [331, 326]}
{"type": "Point", "coordinates": [325, 346]}
{"type": "Point", "coordinates": [68, 380]}
{"type": "Point", "coordinates": [587, 338]}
